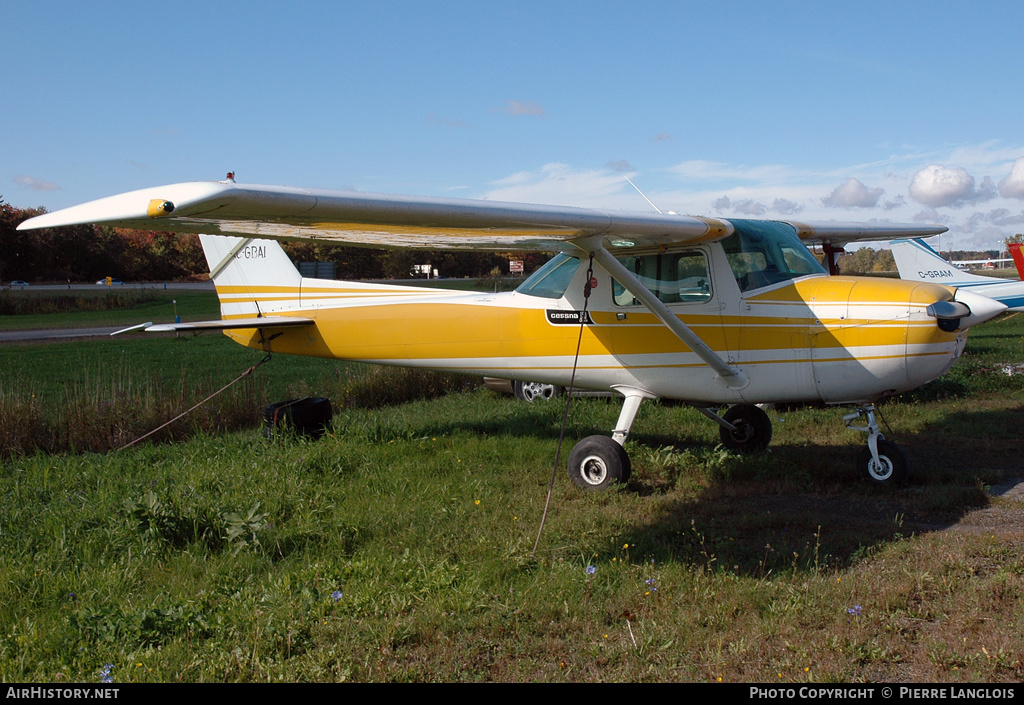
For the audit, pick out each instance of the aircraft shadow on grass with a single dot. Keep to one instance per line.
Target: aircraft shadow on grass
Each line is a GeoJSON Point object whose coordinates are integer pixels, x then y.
{"type": "Point", "coordinates": [752, 525]}
{"type": "Point", "coordinates": [800, 508]}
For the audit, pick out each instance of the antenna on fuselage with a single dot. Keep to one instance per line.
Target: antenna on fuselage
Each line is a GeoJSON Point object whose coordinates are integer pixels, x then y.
{"type": "Point", "coordinates": [645, 197]}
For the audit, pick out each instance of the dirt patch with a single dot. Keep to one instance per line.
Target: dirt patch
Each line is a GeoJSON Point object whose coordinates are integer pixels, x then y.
{"type": "Point", "coordinates": [1003, 517]}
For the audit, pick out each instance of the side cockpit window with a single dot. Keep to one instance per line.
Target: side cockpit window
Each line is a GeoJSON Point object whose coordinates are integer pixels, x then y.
{"type": "Point", "coordinates": [764, 252]}
{"type": "Point", "coordinates": [674, 277]}
{"type": "Point", "coordinates": [552, 280]}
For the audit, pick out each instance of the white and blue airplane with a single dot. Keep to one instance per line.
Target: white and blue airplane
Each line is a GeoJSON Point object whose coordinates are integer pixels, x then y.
{"type": "Point", "coordinates": [918, 262]}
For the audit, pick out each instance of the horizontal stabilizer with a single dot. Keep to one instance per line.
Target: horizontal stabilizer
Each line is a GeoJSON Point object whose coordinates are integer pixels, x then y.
{"type": "Point", "coordinates": [264, 322]}
{"type": "Point", "coordinates": [131, 328]}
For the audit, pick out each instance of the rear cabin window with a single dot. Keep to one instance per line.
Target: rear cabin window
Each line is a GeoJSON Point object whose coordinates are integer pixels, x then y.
{"type": "Point", "coordinates": [552, 279]}
{"type": "Point", "coordinates": [764, 252]}
{"type": "Point", "coordinates": [674, 277]}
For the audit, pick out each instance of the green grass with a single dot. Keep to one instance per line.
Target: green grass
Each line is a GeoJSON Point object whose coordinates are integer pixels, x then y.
{"type": "Point", "coordinates": [96, 396]}
{"type": "Point", "coordinates": [217, 559]}
{"type": "Point", "coordinates": [399, 546]}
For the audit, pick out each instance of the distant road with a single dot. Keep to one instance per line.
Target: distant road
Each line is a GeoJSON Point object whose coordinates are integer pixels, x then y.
{"type": "Point", "coordinates": [169, 286]}
{"type": "Point", "coordinates": [17, 336]}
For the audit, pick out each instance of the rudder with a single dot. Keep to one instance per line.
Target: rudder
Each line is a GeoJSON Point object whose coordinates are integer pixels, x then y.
{"type": "Point", "coordinates": [1018, 258]}
{"type": "Point", "coordinates": [252, 276]}
{"type": "Point", "coordinates": [916, 261]}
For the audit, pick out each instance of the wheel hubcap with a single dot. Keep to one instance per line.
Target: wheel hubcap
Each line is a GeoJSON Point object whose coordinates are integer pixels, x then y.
{"type": "Point", "coordinates": [593, 470]}
{"type": "Point", "coordinates": [534, 390]}
{"type": "Point", "coordinates": [880, 470]}
{"type": "Point", "coordinates": [744, 431]}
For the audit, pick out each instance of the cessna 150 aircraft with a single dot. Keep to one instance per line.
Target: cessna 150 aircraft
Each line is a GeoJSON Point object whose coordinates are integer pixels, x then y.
{"type": "Point", "coordinates": [714, 312]}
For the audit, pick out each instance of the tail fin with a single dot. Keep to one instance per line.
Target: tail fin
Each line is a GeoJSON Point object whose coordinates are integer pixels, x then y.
{"type": "Point", "coordinates": [252, 277]}
{"type": "Point", "coordinates": [1018, 258]}
{"type": "Point", "coordinates": [916, 261]}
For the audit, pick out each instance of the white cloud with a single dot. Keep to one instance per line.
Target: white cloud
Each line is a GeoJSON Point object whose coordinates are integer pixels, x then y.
{"type": "Point", "coordinates": [749, 206]}
{"type": "Point", "coordinates": [898, 202]}
{"type": "Point", "coordinates": [520, 107]}
{"type": "Point", "coordinates": [1012, 186]}
{"type": "Point", "coordinates": [987, 156]}
{"type": "Point", "coordinates": [928, 216]}
{"type": "Point", "coordinates": [702, 170]}
{"type": "Point", "coordinates": [721, 204]}
{"type": "Point", "coordinates": [997, 217]}
{"type": "Point", "coordinates": [744, 206]}
{"type": "Point", "coordinates": [987, 191]}
{"type": "Point", "coordinates": [786, 207]}
{"type": "Point", "coordinates": [908, 187]}
{"type": "Point", "coordinates": [560, 184]}
{"type": "Point", "coordinates": [35, 184]}
{"type": "Point", "coordinates": [853, 193]}
{"type": "Point", "coordinates": [938, 186]}
{"type": "Point", "coordinates": [435, 119]}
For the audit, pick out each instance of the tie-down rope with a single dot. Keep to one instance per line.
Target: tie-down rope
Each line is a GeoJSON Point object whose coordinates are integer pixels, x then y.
{"type": "Point", "coordinates": [568, 399]}
{"type": "Point", "coordinates": [222, 389]}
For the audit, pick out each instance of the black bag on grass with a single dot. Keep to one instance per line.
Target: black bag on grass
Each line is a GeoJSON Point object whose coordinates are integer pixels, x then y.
{"type": "Point", "coordinates": [308, 416]}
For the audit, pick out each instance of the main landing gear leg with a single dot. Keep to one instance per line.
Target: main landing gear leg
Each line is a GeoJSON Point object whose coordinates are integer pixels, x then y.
{"type": "Point", "coordinates": [882, 461]}
{"type": "Point", "coordinates": [744, 428]}
{"type": "Point", "coordinates": [597, 462]}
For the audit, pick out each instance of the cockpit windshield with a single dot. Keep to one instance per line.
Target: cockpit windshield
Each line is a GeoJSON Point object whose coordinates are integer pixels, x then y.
{"type": "Point", "coordinates": [551, 280]}
{"type": "Point", "coordinates": [765, 252]}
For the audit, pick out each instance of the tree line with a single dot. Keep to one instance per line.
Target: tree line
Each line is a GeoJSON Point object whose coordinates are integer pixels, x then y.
{"type": "Point", "coordinates": [91, 252]}
{"type": "Point", "coordinates": [866, 260]}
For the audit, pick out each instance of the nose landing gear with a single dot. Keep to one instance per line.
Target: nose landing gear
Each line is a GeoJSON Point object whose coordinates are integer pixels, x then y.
{"type": "Point", "coordinates": [882, 461]}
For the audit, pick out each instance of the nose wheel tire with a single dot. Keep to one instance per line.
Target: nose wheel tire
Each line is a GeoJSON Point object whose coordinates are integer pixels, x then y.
{"type": "Point", "coordinates": [892, 467]}
{"type": "Point", "coordinates": [597, 463]}
{"type": "Point", "coordinates": [753, 429]}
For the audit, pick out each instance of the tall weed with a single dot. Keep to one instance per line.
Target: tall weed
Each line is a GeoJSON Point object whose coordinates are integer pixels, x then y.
{"type": "Point", "coordinates": [100, 411]}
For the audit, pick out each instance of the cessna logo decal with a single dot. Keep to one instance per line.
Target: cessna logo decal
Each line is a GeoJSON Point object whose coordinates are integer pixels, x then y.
{"type": "Point", "coordinates": [562, 318]}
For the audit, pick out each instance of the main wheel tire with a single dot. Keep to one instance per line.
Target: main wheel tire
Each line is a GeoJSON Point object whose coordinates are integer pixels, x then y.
{"type": "Point", "coordinates": [892, 467]}
{"type": "Point", "coordinates": [598, 462]}
{"type": "Point", "coordinates": [535, 391]}
{"type": "Point", "coordinates": [753, 429]}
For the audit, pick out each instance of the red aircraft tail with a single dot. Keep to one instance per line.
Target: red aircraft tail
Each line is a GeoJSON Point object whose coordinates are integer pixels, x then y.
{"type": "Point", "coordinates": [1018, 258]}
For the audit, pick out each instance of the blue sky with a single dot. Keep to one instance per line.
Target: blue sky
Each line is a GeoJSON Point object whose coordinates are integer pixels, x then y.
{"type": "Point", "coordinates": [906, 112]}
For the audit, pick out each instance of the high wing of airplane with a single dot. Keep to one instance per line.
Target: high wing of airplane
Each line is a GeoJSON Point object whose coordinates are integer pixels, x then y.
{"type": "Point", "coordinates": [715, 312]}
{"type": "Point", "coordinates": [916, 261]}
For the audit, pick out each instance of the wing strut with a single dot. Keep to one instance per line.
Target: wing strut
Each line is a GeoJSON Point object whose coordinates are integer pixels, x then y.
{"type": "Point", "coordinates": [730, 376]}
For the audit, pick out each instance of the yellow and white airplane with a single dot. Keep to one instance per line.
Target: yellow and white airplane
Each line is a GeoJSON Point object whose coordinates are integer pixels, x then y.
{"type": "Point", "coordinates": [710, 311]}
